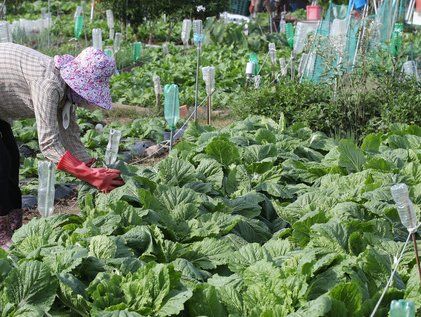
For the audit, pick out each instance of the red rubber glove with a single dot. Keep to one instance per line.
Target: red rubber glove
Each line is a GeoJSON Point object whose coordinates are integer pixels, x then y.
{"type": "Point", "coordinates": [91, 162]}
{"type": "Point", "coordinates": [104, 179]}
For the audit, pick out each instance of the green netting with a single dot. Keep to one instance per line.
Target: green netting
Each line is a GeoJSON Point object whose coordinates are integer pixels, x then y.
{"type": "Point", "coordinates": [339, 35]}
{"type": "Point", "coordinates": [315, 71]}
{"type": "Point", "coordinates": [351, 44]}
{"type": "Point", "coordinates": [240, 7]}
{"type": "Point", "coordinates": [339, 11]}
{"type": "Point", "coordinates": [403, 6]}
{"type": "Point", "coordinates": [385, 19]}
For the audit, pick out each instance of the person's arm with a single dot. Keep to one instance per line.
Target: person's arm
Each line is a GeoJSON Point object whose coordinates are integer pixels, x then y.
{"type": "Point", "coordinates": [46, 97]}
{"type": "Point", "coordinates": [71, 139]}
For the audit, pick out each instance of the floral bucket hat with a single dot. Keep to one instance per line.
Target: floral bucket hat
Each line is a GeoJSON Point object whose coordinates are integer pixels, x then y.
{"type": "Point", "coordinates": [88, 75]}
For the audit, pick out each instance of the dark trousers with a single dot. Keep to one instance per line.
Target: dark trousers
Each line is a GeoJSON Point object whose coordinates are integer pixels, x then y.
{"type": "Point", "coordinates": [10, 194]}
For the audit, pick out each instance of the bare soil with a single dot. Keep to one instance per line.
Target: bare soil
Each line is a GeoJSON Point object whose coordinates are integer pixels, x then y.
{"type": "Point", "coordinates": [124, 114]}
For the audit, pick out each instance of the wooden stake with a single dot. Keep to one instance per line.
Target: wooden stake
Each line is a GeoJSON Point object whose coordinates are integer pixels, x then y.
{"type": "Point", "coordinates": [414, 239]}
{"type": "Point", "coordinates": [209, 112]}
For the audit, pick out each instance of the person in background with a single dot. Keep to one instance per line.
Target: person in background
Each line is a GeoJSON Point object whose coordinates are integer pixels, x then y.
{"type": "Point", "coordinates": [49, 89]}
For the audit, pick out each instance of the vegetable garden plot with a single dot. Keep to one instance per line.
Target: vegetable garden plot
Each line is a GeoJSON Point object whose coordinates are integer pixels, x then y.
{"type": "Point", "coordinates": [250, 220]}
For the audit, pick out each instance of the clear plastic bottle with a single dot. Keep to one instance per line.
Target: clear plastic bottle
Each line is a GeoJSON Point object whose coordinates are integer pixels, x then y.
{"type": "Point", "coordinates": [185, 32]}
{"type": "Point", "coordinates": [111, 152]}
{"type": "Point", "coordinates": [198, 31]}
{"type": "Point", "coordinates": [118, 39]}
{"type": "Point", "coordinates": [157, 85]}
{"type": "Point", "coordinates": [283, 66]}
{"type": "Point", "coordinates": [404, 206]}
{"type": "Point", "coordinates": [46, 188]}
{"type": "Point", "coordinates": [282, 23]}
{"type": "Point", "coordinates": [165, 49]}
{"type": "Point", "coordinates": [257, 80]}
{"type": "Point", "coordinates": [209, 78]}
{"type": "Point", "coordinates": [99, 128]}
{"type": "Point", "coordinates": [110, 22]}
{"type": "Point", "coordinates": [97, 38]}
{"type": "Point", "coordinates": [409, 69]}
{"type": "Point", "coordinates": [402, 308]}
{"type": "Point", "coordinates": [78, 12]}
{"type": "Point", "coordinates": [272, 53]}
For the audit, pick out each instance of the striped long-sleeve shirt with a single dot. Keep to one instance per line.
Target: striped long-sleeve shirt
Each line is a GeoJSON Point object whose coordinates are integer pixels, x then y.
{"type": "Point", "coordinates": [31, 86]}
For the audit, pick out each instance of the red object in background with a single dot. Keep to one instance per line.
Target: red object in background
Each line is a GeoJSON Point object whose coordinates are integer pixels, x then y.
{"type": "Point", "coordinates": [251, 7]}
{"type": "Point", "coordinates": [314, 13]}
{"type": "Point", "coordinates": [418, 6]}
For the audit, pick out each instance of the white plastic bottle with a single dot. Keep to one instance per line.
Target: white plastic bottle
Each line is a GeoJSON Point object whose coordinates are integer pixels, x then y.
{"type": "Point", "coordinates": [404, 206]}
{"type": "Point", "coordinates": [97, 38]}
{"type": "Point", "coordinates": [46, 188]}
{"type": "Point", "coordinates": [111, 152]}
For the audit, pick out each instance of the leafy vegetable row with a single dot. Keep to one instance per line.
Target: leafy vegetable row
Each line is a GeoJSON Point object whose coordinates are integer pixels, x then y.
{"type": "Point", "coordinates": [250, 220]}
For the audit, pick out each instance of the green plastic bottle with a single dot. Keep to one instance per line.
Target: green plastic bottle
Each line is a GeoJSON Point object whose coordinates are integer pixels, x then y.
{"type": "Point", "coordinates": [137, 51]}
{"type": "Point", "coordinates": [171, 105]}
{"type": "Point", "coordinates": [289, 32]}
{"type": "Point", "coordinates": [402, 308]}
{"type": "Point", "coordinates": [78, 26]}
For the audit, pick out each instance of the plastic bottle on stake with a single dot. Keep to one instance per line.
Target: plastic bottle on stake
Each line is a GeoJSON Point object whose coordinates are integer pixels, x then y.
{"type": "Point", "coordinates": [110, 22]}
{"type": "Point", "coordinates": [97, 38]}
{"type": "Point", "coordinates": [137, 51]}
{"type": "Point", "coordinates": [78, 12]}
{"type": "Point", "coordinates": [289, 31]}
{"type": "Point", "coordinates": [46, 188]}
{"type": "Point", "coordinates": [272, 53]}
{"type": "Point", "coordinates": [118, 39]}
{"type": "Point", "coordinates": [185, 32]}
{"type": "Point", "coordinates": [99, 128]}
{"type": "Point", "coordinates": [157, 85]}
{"type": "Point", "coordinates": [197, 38]}
{"type": "Point", "coordinates": [165, 50]}
{"type": "Point", "coordinates": [250, 69]}
{"type": "Point", "coordinates": [111, 152]}
{"type": "Point", "coordinates": [209, 78]}
{"type": "Point", "coordinates": [409, 69]}
{"type": "Point", "coordinates": [158, 93]}
{"type": "Point", "coordinates": [78, 26]}
{"type": "Point", "coordinates": [283, 66]}
{"type": "Point", "coordinates": [197, 32]}
{"type": "Point", "coordinates": [404, 206]}
{"type": "Point", "coordinates": [282, 23]}
{"type": "Point", "coordinates": [257, 80]}
{"type": "Point", "coordinates": [171, 105]}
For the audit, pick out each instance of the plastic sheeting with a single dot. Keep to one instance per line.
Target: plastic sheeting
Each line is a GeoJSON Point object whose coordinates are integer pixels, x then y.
{"type": "Point", "coordinates": [302, 32]}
